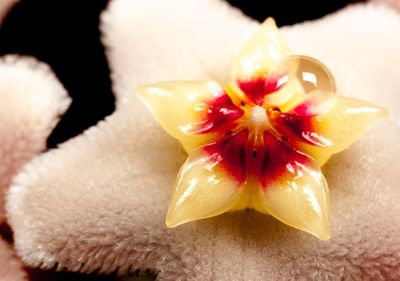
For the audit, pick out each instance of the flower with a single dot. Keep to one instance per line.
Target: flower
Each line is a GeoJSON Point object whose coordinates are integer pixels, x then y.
{"type": "Point", "coordinates": [260, 141]}
{"type": "Point", "coordinates": [97, 203]}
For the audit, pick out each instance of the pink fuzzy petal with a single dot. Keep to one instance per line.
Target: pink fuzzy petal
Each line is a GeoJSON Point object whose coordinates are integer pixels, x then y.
{"type": "Point", "coordinates": [11, 269]}
{"type": "Point", "coordinates": [392, 3]}
{"type": "Point", "coordinates": [154, 41]}
{"type": "Point", "coordinates": [31, 101]}
{"type": "Point", "coordinates": [5, 7]}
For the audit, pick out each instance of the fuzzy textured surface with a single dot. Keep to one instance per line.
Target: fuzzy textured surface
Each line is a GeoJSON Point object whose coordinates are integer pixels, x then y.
{"type": "Point", "coordinates": [32, 100]}
{"type": "Point", "coordinates": [393, 3]}
{"type": "Point", "coordinates": [98, 202]}
{"type": "Point", "coordinates": [5, 6]}
{"type": "Point", "coordinates": [10, 266]}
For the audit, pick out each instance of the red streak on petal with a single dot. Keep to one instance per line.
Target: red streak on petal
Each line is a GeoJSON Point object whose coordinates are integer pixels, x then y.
{"type": "Point", "coordinates": [300, 128]}
{"type": "Point", "coordinates": [269, 160]}
{"type": "Point", "coordinates": [231, 154]}
{"type": "Point", "coordinates": [221, 116]}
{"type": "Point", "coordinates": [268, 163]}
{"type": "Point", "coordinates": [280, 160]}
{"type": "Point", "coordinates": [275, 83]}
{"type": "Point", "coordinates": [254, 90]}
{"type": "Point", "coordinates": [310, 108]}
{"type": "Point", "coordinates": [303, 109]}
{"type": "Point", "coordinates": [257, 89]}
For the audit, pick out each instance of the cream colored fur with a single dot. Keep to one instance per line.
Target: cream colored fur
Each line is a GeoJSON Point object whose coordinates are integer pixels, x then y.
{"type": "Point", "coordinates": [31, 101]}
{"type": "Point", "coordinates": [98, 202]}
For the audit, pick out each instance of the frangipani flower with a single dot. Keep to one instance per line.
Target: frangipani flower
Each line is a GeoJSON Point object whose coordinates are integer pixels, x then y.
{"type": "Point", "coordinates": [260, 141]}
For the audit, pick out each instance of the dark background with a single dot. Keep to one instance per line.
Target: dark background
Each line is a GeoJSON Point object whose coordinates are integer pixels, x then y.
{"type": "Point", "coordinates": [65, 35]}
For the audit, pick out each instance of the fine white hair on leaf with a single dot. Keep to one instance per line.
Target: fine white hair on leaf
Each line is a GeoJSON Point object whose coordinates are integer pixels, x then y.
{"type": "Point", "coordinates": [153, 41]}
{"type": "Point", "coordinates": [98, 203]}
{"type": "Point", "coordinates": [11, 268]}
{"type": "Point", "coordinates": [31, 102]}
{"type": "Point", "coordinates": [5, 7]}
{"type": "Point", "coordinates": [392, 3]}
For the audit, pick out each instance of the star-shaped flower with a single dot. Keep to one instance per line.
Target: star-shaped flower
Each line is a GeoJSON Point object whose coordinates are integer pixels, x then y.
{"type": "Point", "coordinates": [98, 202]}
{"type": "Point", "coordinates": [260, 141]}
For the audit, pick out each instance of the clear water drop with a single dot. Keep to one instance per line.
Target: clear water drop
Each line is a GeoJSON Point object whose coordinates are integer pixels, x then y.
{"type": "Point", "coordinates": [304, 85]}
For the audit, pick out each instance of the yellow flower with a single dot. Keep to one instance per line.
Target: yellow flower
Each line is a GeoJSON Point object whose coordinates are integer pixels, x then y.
{"type": "Point", "coordinates": [260, 141]}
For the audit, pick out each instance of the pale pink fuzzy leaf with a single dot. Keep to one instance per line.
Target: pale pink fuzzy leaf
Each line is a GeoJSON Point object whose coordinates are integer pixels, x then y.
{"type": "Point", "coordinates": [392, 3]}
{"type": "Point", "coordinates": [5, 6]}
{"type": "Point", "coordinates": [98, 203]}
{"type": "Point", "coordinates": [31, 101]}
{"type": "Point", "coordinates": [11, 268]}
{"type": "Point", "coordinates": [153, 41]}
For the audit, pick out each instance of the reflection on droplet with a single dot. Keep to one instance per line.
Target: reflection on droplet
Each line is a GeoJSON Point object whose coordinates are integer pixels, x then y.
{"type": "Point", "coordinates": [308, 73]}
{"type": "Point", "coordinates": [307, 84]}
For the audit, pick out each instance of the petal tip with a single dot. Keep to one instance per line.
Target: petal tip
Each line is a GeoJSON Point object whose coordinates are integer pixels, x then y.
{"type": "Point", "coordinates": [378, 111]}
{"type": "Point", "coordinates": [270, 21]}
{"type": "Point", "coordinates": [175, 218]}
{"type": "Point", "coordinates": [170, 223]}
{"type": "Point", "coordinates": [139, 90]}
{"type": "Point", "coordinates": [376, 115]}
{"type": "Point", "coordinates": [321, 230]}
{"type": "Point", "coordinates": [384, 112]}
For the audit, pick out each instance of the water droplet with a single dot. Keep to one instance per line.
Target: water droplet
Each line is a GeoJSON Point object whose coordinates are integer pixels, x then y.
{"type": "Point", "coordinates": [303, 85]}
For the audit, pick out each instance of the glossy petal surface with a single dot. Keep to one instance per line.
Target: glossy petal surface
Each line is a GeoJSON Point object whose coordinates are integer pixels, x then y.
{"type": "Point", "coordinates": [209, 183]}
{"type": "Point", "coordinates": [293, 189]}
{"type": "Point", "coordinates": [192, 112]}
{"type": "Point", "coordinates": [264, 51]}
{"type": "Point", "coordinates": [322, 136]}
{"type": "Point", "coordinates": [261, 138]}
{"type": "Point", "coordinates": [120, 215]}
{"type": "Point", "coordinates": [233, 173]}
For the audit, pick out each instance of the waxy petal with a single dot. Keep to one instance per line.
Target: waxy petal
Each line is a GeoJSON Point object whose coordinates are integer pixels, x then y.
{"type": "Point", "coordinates": [300, 199]}
{"type": "Point", "coordinates": [293, 189]}
{"type": "Point", "coordinates": [209, 183]}
{"type": "Point", "coordinates": [322, 136]}
{"type": "Point", "coordinates": [119, 214]}
{"type": "Point", "coordinates": [192, 112]}
{"type": "Point", "coordinates": [263, 52]}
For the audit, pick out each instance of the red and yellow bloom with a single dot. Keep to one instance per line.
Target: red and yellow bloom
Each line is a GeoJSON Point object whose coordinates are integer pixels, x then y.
{"type": "Point", "coordinates": [260, 141]}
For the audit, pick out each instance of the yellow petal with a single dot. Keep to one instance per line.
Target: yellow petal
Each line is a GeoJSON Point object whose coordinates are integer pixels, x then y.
{"type": "Point", "coordinates": [182, 109]}
{"type": "Point", "coordinates": [299, 198]}
{"type": "Point", "coordinates": [321, 136]}
{"type": "Point", "coordinates": [203, 189]}
{"type": "Point", "coordinates": [347, 121]}
{"type": "Point", "coordinates": [264, 51]}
